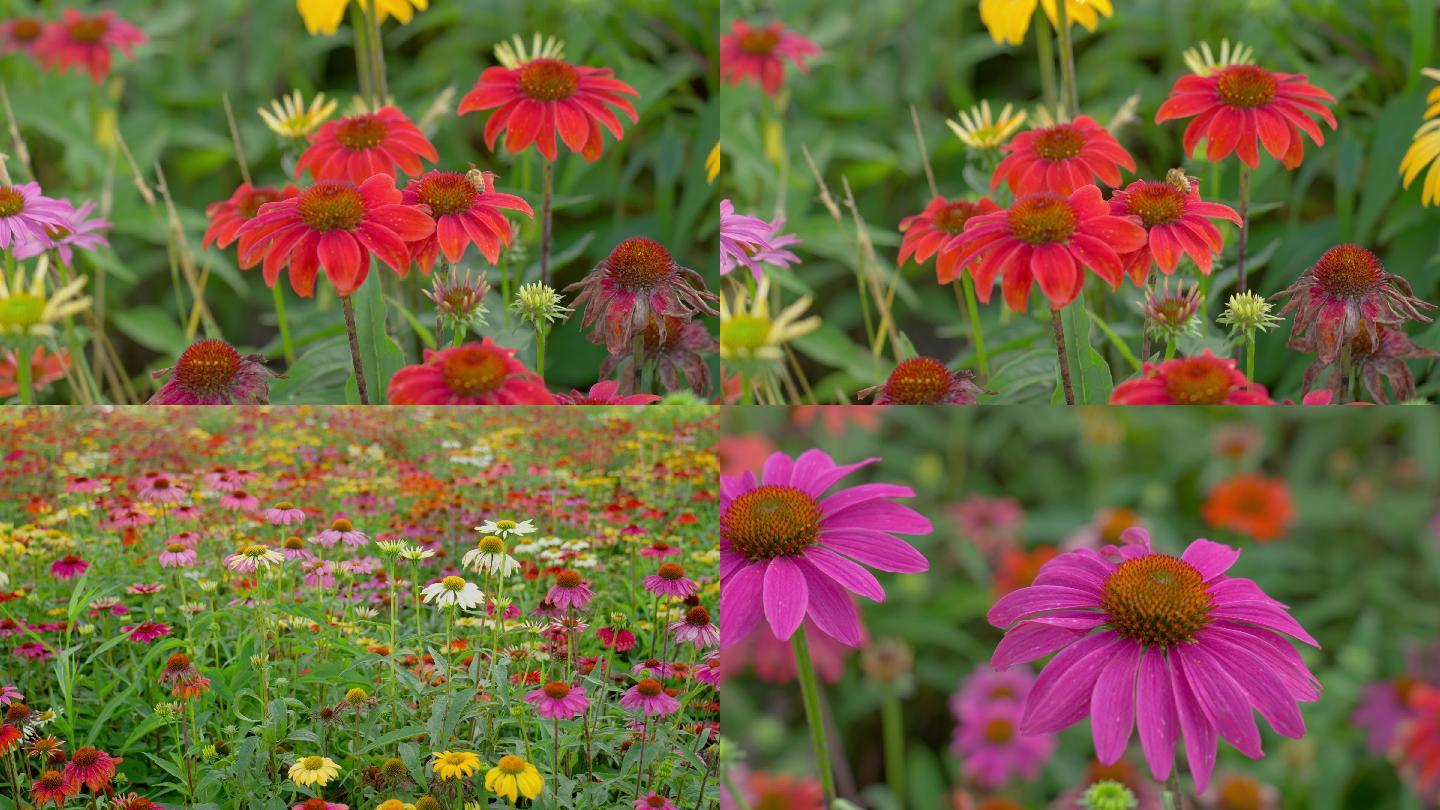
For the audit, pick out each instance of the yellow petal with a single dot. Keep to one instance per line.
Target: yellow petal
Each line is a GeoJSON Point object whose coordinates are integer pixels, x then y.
{"type": "Point", "coordinates": [322, 16]}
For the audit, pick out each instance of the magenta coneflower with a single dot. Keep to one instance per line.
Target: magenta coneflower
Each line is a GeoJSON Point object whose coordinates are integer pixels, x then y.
{"type": "Point", "coordinates": [1346, 293]}
{"type": "Point", "coordinates": [34, 650]}
{"type": "Point", "coordinates": [741, 237]}
{"type": "Point", "coordinates": [1170, 642]}
{"type": "Point", "coordinates": [68, 567]}
{"type": "Point", "coordinates": [617, 638]}
{"type": "Point", "coordinates": [696, 628]}
{"type": "Point", "coordinates": [177, 555]}
{"type": "Point", "coordinates": [985, 686]}
{"type": "Point", "coordinates": [212, 372]}
{"type": "Point", "coordinates": [160, 489]}
{"type": "Point", "coordinates": [9, 694]}
{"type": "Point", "coordinates": [659, 550]}
{"type": "Point", "coordinates": [654, 801]}
{"type": "Point", "coordinates": [989, 742]}
{"type": "Point", "coordinates": [558, 700]}
{"type": "Point", "coordinates": [670, 581]}
{"type": "Point", "coordinates": [342, 531]}
{"type": "Point", "coordinates": [240, 501]}
{"type": "Point", "coordinates": [145, 632]}
{"type": "Point", "coordinates": [638, 279]}
{"type": "Point", "coordinates": [79, 231]}
{"type": "Point", "coordinates": [81, 42]}
{"type": "Point", "coordinates": [708, 671]}
{"type": "Point", "coordinates": [26, 215]}
{"type": "Point", "coordinates": [649, 697]}
{"type": "Point", "coordinates": [787, 552]}
{"type": "Point", "coordinates": [284, 513]}
{"type": "Point", "coordinates": [83, 484]}
{"type": "Point", "coordinates": [569, 591]}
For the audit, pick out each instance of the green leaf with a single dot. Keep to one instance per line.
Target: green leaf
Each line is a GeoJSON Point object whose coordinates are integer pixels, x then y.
{"type": "Point", "coordinates": [1089, 373]}
{"type": "Point", "coordinates": [151, 327]}
{"type": "Point", "coordinates": [380, 355]}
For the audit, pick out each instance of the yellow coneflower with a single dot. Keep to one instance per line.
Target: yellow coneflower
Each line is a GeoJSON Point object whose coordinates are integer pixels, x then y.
{"type": "Point", "coordinates": [748, 332]}
{"type": "Point", "coordinates": [1008, 20]}
{"type": "Point", "coordinates": [324, 16]}
{"type": "Point", "coordinates": [712, 163]}
{"type": "Point", "coordinates": [977, 128]}
{"type": "Point", "coordinates": [1203, 62]}
{"type": "Point", "coordinates": [1425, 150]}
{"type": "Point", "coordinates": [314, 771]}
{"type": "Point", "coordinates": [28, 311]}
{"type": "Point", "coordinates": [455, 764]}
{"type": "Point", "coordinates": [288, 116]}
{"type": "Point", "coordinates": [514, 777]}
{"type": "Point", "coordinates": [513, 53]}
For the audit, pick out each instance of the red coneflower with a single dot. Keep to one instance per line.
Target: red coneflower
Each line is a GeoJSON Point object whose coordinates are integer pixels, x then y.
{"type": "Point", "coordinates": [362, 146]}
{"type": "Point", "coordinates": [1252, 505]}
{"type": "Point", "coordinates": [466, 209]}
{"type": "Point", "coordinates": [1346, 293]}
{"type": "Point", "coordinates": [929, 231]}
{"type": "Point", "coordinates": [227, 216]}
{"type": "Point", "coordinates": [1176, 221]}
{"type": "Point", "coordinates": [53, 787]}
{"type": "Point", "coordinates": [20, 34]}
{"type": "Point", "coordinates": [473, 374]}
{"type": "Point", "coordinates": [81, 42]}
{"type": "Point", "coordinates": [925, 381]}
{"type": "Point", "coordinates": [93, 767]}
{"type": "Point", "coordinates": [1203, 380]}
{"type": "Point", "coordinates": [1062, 158]}
{"type": "Point", "coordinates": [336, 224]}
{"type": "Point", "coordinates": [1239, 105]}
{"type": "Point", "coordinates": [1049, 239]}
{"type": "Point", "coordinates": [10, 737]}
{"type": "Point", "coordinates": [212, 372]}
{"type": "Point", "coordinates": [542, 97]}
{"type": "Point", "coordinates": [758, 54]}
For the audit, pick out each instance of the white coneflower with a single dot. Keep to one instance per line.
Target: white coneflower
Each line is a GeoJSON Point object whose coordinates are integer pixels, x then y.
{"type": "Point", "coordinates": [416, 553]}
{"type": "Point", "coordinates": [506, 528]}
{"type": "Point", "coordinates": [453, 591]}
{"type": "Point", "coordinates": [489, 557]}
{"type": "Point", "coordinates": [390, 548]}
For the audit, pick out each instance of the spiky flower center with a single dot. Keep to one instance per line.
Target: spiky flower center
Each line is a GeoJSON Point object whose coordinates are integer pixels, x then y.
{"type": "Point", "coordinates": [207, 366]}
{"type": "Point", "coordinates": [1156, 203]}
{"type": "Point", "coordinates": [312, 763]}
{"type": "Point", "coordinates": [1246, 86]}
{"type": "Point", "coordinates": [254, 551]}
{"type": "Point", "coordinates": [999, 730]}
{"type": "Point", "coordinates": [89, 30]}
{"type": "Point", "coordinates": [952, 217]}
{"type": "Point", "coordinates": [697, 616]}
{"type": "Point", "coordinates": [771, 521]}
{"type": "Point", "coordinates": [249, 205]}
{"type": "Point", "coordinates": [175, 548]}
{"type": "Point", "coordinates": [17, 713]}
{"type": "Point", "coordinates": [453, 583]}
{"type": "Point", "coordinates": [315, 804]}
{"type": "Point", "coordinates": [511, 764]}
{"type": "Point", "coordinates": [1060, 142]}
{"type": "Point", "coordinates": [919, 381]}
{"type": "Point", "coordinates": [51, 781]}
{"type": "Point", "coordinates": [1198, 381]}
{"type": "Point", "coordinates": [445, 192]}
{"type": "Point", "coordinates": [427, 803]}
{"type": "Point", "coordinates": [1042, 219]}
{"type": "Point", "coordinates": [557, 690]}
{"type": "Point", "coordinates": [473, 370]}
{"type": "Point", "coordinates": [506, 525]}
{"type": "Point", "coordinates": [1240, 793]}
{"type": "Point", "coordinates": [549, 79]}
{"type": "Point", "coordinates": [21, 312]}
{"type": "Point", "coordinates": [655, 801]}
{"type": "Point", "coordinates": [361, 132]}
{"type": "Point", "coordinates": [25, 29]}
{"type": "Point", "coordinates": [393, 767]}
{"type": "Point", "coordinates": [671, 572]}
{"type": "Point", "coordinates": [342, 525]}
{"type": "Point", "coordinates": [759, 41]}
{"type": "Point", "coordinates": [490, 544]}
{"type": "Point", "coordinates": [1157, 600]}
{"type": "Point", "coordinates": [649, 687]}
{"type": "Point", "coordinates": [12, 202]}
{"type": "Point", "coordinates": [85, 757]}
{"type": "Point", "coordinates": [1349, 271]}
{"type": "Point", "coordinates": [333, 205]}
{"type": "Point", "coordinates": [356, 695]}
{"type": "Point", "coordinates": [568, 579]}
{"type": "Point", "coordinates": [639, 263]}
{"type": "Point", "coordinates": [178, 662]}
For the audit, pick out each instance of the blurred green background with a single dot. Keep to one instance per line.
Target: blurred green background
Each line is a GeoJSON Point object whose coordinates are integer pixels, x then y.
{"type": "Point", "coordinates": [1359, 566]}
{"type": "Point", "coordinates": [853, 114]}
{"type": "Point", "coordinates": [171, 111]}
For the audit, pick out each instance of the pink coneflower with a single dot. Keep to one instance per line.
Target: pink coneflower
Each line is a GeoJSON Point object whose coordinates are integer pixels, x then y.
{"type": "Point", "coordinates": [991, 523]}
{"type": "Point", "coordinates": [177, 555]}
{"type": "Point", "coordinates": [320, 804]}
{"type": "Point", "coordinates": [83, 484]}
{"type": "Point", "coordinates": [605, 392]}
{"type": "Point", "coordinates": [9, 694]}
{"type": "Point", "coordinates": [649, 697]}
{"type": "Point", "coordinates": [558, 700]}
{"type": "Point", "coordinates": [81, 42]}
{"type": "Point", "coordinates": [1170, 642]}
{"type": "Point", "coordinates": [342, 531]}
{"type": "Point", "coordinates": [1203, 380]}
{"type": "Point", "coordinates": [284, 513]}
{"type": "Point", "coordinates": [187, 539]}
{"type": "Point", "coordinates": [653, 668]}
{"type": "Point", "coordinates": [212, 372]}
{"type": "Point", "coordinates": [146, 632]}
{"type": "Point", "coordinates": [670, 581]}
{"type": "Point", "coordinates": [708, 671]}
{"type": "Point", "coordinates": [145, 589]}
{"type": "Point", "coordinates": [696, 628]}
{"type": "Point", "coordinates": [240, 501]}
{"type": "Point", "coordinates": [20, 35]}
{"type": "Point", "coordinates": [93, 767]}
{"type": "Point", "coordinates": [1239, 791]}
{"type": "Point", "coordinates": [616, 638]}
{"type": "Point", "coordinates": [160, 489]}
{"type": "Point", "coordinates": [1384, 707]}
{"type": "Point", "coordinates": [637, 280]}
{"type": "Point", "coordinates": [68, 567]}
{"type": "Point", "coordinates": [26, 215]}
{"type": "Point", "coordinates": [79, 231]}
{"type": "Point", "coordinates": [34, 650]}
{"type": "Point", "coordinates": [1176, 223]}
{"type": "Point", "coordinates": [659, 550]}
{"type": "Point", "coordinates": [654, 801]}
{"type": "Point", "coordinates": [569, 591]}
{"type": "Point", "coordinates": [741, 237]}
{"type": "Point", "coordinates": [758, 54]}
{"type": "Point", "coordinates": [984, 686]}
{"type": "Point", "coordinates": [247, 559]}
{"type": "Point", "coordinates": [481, 373]}
{"type": "Point", "coordinates": [989, 743]}
{"type": "Point", "coordinates": [786, 552]}
{"type": "Point", "coordinates": [318, 574]}
{"type": "Point", "coordinates": [294, 549]}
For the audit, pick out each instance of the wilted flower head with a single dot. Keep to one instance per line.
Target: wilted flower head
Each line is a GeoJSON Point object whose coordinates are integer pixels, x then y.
{"type": "Point", "coordinates": [1168, 315]}
{"type": "Point", "coordinates": [638, 279]}
{"type": "Point", "coordinates": [1374, 362]}
{"type": "Point", "coordinates": [1246, 312]}
{"type": "Point", "coordinates": [925, 381]}
{"type": "Point", "coordinates": [212, 372]}
{"type": "Point", "coordinates": [538, 303]}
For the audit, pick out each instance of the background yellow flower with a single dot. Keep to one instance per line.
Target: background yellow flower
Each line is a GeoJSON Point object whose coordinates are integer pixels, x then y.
{"type": "Point", "coordinates": [324, 16]}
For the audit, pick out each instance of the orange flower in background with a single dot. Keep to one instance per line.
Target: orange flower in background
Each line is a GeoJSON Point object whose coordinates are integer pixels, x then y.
{"type": "Point", "coordinates": [1251, 504]}
{"type": "Point", "coordinates": [45, 367]}
{"type": "Point", "coordinates": [1018, 568]}
{"type": "Point", "coordinates": [1418, 750]}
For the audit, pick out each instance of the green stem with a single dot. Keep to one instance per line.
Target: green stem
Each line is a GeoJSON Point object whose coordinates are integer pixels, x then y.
{"type": "Point", "coordinates": [1241, 279]}
{"type": "Point", "coordinates": [540, 335]}
{"type": "Point", "coordinates": [1068, 91]}
{"type": "Point", "coordinates": [362, 51]}
{"type": "Point", "coordinates": [1250, 355]}
{"type": "Point", "coordinates": [894, 731]}
{"type": "Point", "coordinates": [24, 351]}
{"type": "Point", "coordinates": [1059, 331]}
{"type": "Point", "coordinates": [349, 309]}
{"type": "Point", "coordinates": [1170, 793]}
{"type": "Point", "coordinates": [1115, 340]}
{"type": "Point", "coordinates": [380, 93]}
{"type": "Point", "coordinates": [810, 694]}
{"type": "Point", "coordinates": [289, 347]}
{"type": "Point", "coordinates": [972, 307]}
{"type": "Point", "coordinates": [1169, 349]}
{"type": "Point", "coordinates": [547, 193]}
{"type": "Point", "coordinates": [1045, 50]}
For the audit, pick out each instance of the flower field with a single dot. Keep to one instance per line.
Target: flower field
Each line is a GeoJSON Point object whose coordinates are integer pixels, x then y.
{"type": "Point", "coordinates": [1227, 202]}
{"type": "Point", "coordinates": [1110, 609]}
{"type": "Point", "coordinates": [326, 201]}
{"type": "Point", "coordinates": [347, 608]}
